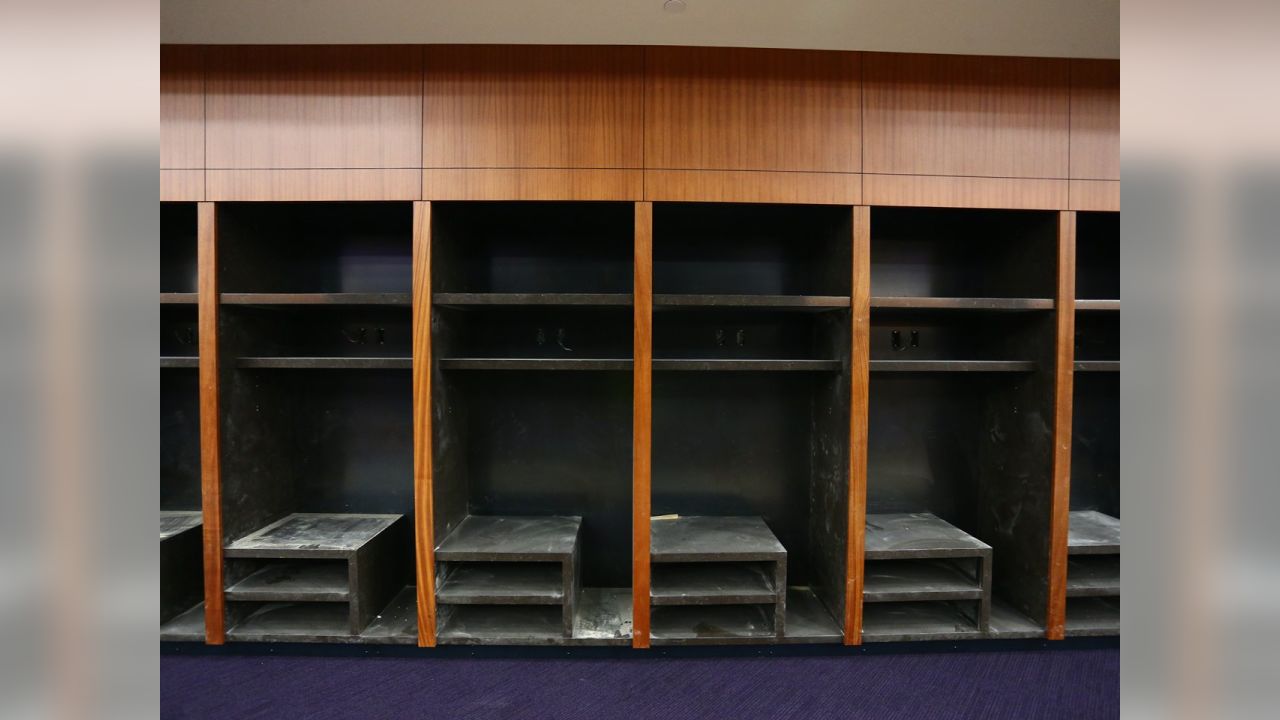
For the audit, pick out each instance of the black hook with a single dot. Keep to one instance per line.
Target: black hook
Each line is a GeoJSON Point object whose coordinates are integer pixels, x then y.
{"type": "Point", "coordinates": [720, 337]}
{"type": "Point", "coordinates": [915, 338]}
{"type": "Point", "coordinates": [895, 340]}
{"type": "Point", "coordinates": [562, 340]}
{"type": "Point", "coordinates": [741, 337]}
{"type": "Point", "coordinates": [541, 337]}
{"type": "Point", "coordinates": [382, 336]}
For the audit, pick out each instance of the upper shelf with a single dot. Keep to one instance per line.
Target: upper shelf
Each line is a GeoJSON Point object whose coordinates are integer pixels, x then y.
{"type": "Point", "coordinates": [326, 363]}
{"type": "Point", "coordinates": [320, 298]}
{"type": "Point", "coordinates": [953, 366]}
{"type": "Point", "coordinates": [485, 299]}
{"type": "Point", "coordinates": [767, 302]}
{"type": "Point", "coordinates": [962, 303]}
{"type": "Point", "coordinates": [1098, 305]}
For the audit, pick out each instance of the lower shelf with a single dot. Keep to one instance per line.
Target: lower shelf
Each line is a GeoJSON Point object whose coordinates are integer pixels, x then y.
{"type": "Point", "coordinates": [185, 627]}
{"type": "Point", "coordinates": [807, 623]}
{"type": "Point", "coordinates": [1093, 616]}
{"type": "Point", "coordinates": [712, 624]}
{"type": "Point", "coordinates": [318, 622]}
{"type": "Point", "coordinates": [603, 618]}
{"type": "Point", "coordinates": [908, 621]}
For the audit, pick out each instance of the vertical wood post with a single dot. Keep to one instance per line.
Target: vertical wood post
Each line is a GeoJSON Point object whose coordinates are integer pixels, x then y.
{"type": "Point", "coordinates": [423, 501]}
{"type": "Point", "coordinates": [210, 419]}
{"type": "Point", "coordinates": [641, 424]}
{"type": "Point", "coordinates": [859, 383]}
{"type": "Point", "coordinates": [1064, 364]}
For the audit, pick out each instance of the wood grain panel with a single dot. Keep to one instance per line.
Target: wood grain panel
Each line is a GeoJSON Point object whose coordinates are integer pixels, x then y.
{"type": "Point", "coordinates": [532, 184]}
{"type": "Point", "coordinates": [752, 109]}
{"type": "Point", "coordinates": [181, 106]}
{"type": "Point", "coordinates": [1065, 310]}
{"type": "Point", "coordinates": [752, 187]}
{"type": "Point", "coordinates": [210, 420]}
{"type": "Point", "coordinates": [182, 185]}
{"type": "Point", "coordinates": [423, 500]}
{"type": "Point", "coordinates": [528, 106]}
{"type": "Point", "coordinates": [1095, 119]}
{"type": "Point", "coordinates": [970, 192]}
{"type": "Point", "coordinates": [314, 107]}
{"type": "Point", "coordinates": [859, 384]}
{"type": "Point", "coordinates": [965, 116]}
{"type": "Point", "coordinates": [1095, 195]}
{"type": "Point", "coordinates": [642, 425]}
{"type": "Point", "coordinates": [282, 185]}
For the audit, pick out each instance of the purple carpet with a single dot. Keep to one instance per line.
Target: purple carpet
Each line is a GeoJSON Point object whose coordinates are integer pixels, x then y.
{"type": "Point", "coordinates": [1022, 685]}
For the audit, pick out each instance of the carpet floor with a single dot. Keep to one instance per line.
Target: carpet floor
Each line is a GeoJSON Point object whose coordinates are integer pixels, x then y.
{"type": "Point", "coordinates": [1020, 685]}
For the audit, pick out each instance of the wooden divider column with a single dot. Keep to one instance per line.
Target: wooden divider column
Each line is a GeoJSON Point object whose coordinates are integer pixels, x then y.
{"type": "Point", "coordinates": [1064, 364]}
{"type": "Point", "coordinates": [210, 418]}
{"type": "Point", "coordinates": [859, 383]}
{"type": "Point", "coordinates": [423, 505]}
{"type": "Point", "coordinates": [641, 424]}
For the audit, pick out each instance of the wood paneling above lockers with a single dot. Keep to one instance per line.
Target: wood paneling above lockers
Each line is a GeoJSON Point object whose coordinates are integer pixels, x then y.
{"type": "Point", "coordinates": [1095, 119]}
{"type": "Point", "coordinates": [493, 106]}
{"type": "Point", "coordinates": [635, 123]}
{"type": "Point", "coordinates": [311, 107]}
{"type": "Point", "coordinates": [965, 116]}
{"type": "Point", "coordinates": [181, 107]}
{"type": "Point", "coordinates": [742, 109]}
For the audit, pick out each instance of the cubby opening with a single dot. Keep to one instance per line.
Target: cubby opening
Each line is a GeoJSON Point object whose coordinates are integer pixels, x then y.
{"type": "Point", "coordinates": [923, 340]}
{"type": "Point", "coordinates": [181, 552]}
{"type": "Point", "coordinates": [531, 249]}
{"type": "Point", "coordinates": [750, 421]}
{"type": "Point", "coordinates": [960, 423]}
{"type": "Point", "coordinates": [1097, 337]}
{"type": "Point", "coordinates": [531, 392]}
{"type": "Point", "coordinates": [749, 339]}
{"type": "Point", "coordinates": [930, 253]}
{"type": "Point", "coordinates": [334, 248]}
{"type": "Point", "coordinates": [334, 336]}
{"type": "Point", "coordinates": [533, 337]}
{"type": "Point", "coordinates": [734, 249]}
{"type": "Point", "coordinates": [315, 340]}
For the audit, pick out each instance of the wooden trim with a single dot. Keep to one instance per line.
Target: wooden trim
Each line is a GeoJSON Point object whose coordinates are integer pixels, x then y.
{"type": "Point", "coordinates": [531, 184]}
{"type": "Point", "coordinates": [181, 185]}
{"type": "Point", "coordinates": [641, 425]}
{"type": "Point", "coordinates": [1065, 307]}
{"type": "Point", "coordinates": [859, 386]}
{"type": "Point", "coordinates": [210, 419]}
{"type": "Point", "coordinates": [323, 184]}
{"type": "Point", "coordinates": [423, 501]}
{"type": "Point", "coordinates": [752, 186]}
{"type": "Point", "coordinates": [964, 192]}
{"type": "Point", "coordinates": [1095, 195]}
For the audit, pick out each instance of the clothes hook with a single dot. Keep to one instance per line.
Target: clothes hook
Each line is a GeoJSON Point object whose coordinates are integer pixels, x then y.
{"type": "Point", "coordinates": [562, 340]}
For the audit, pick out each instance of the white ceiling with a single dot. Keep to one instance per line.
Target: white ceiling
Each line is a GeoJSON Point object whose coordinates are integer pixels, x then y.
{"type": "Point", "coordinates": [1047, 28]}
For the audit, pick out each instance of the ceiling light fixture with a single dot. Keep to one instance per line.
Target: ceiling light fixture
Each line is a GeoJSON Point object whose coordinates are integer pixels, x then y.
{"type": "Point", "coordinates": [674, 6]}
